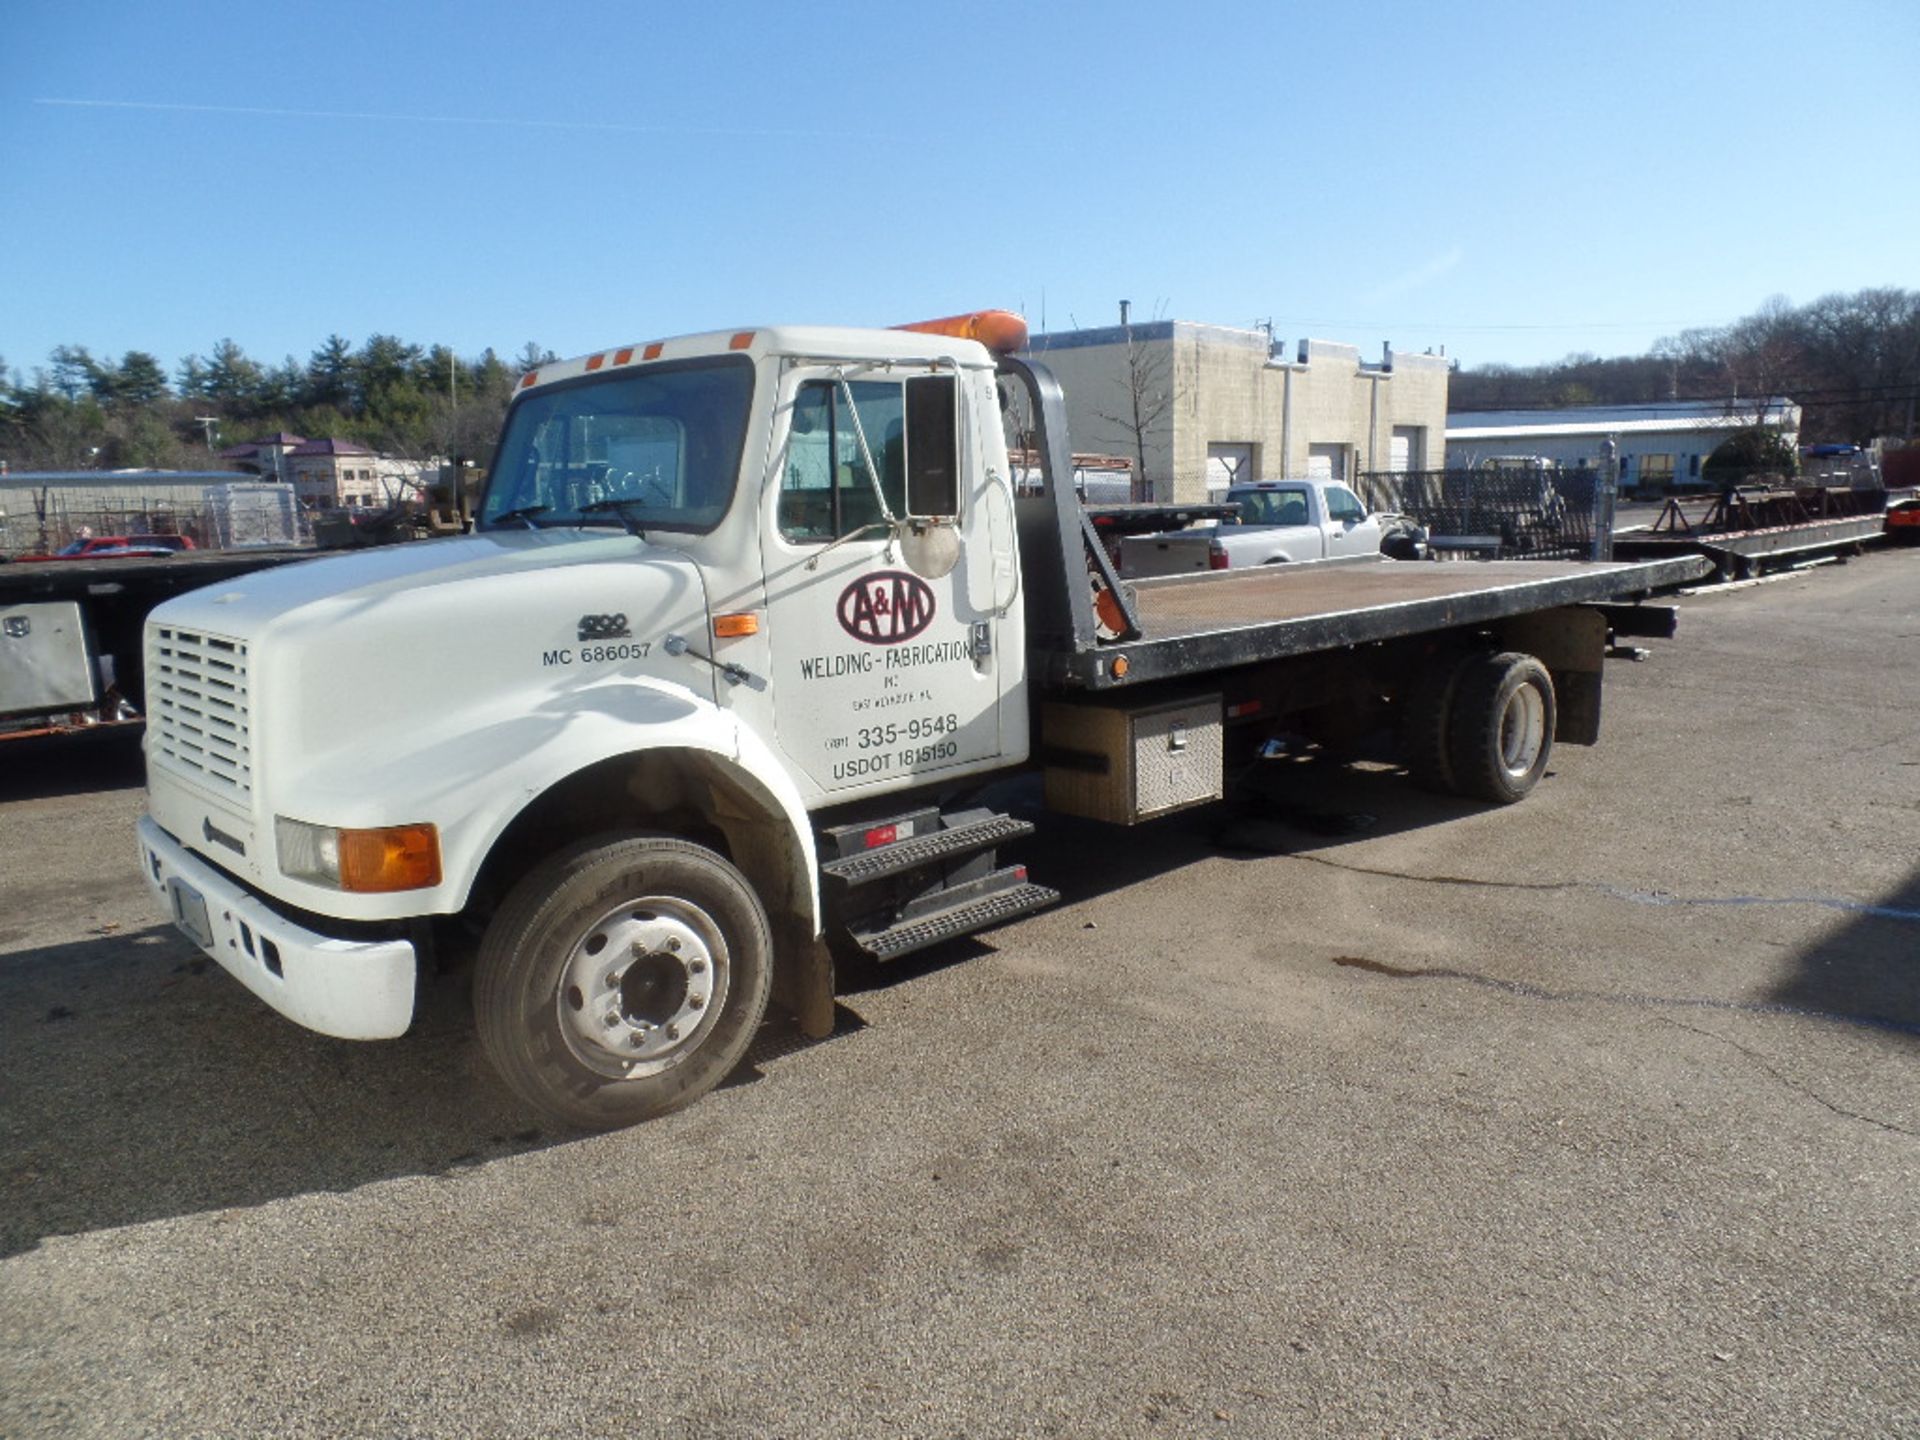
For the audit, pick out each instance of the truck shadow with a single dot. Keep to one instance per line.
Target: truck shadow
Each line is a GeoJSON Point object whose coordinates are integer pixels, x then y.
{"type": "Point", "coordinates": [1272, 808]}
{"type": "Point", "coordinates": [80, 762]}
{"type": "Point", "coordinates": [1865, 972]}
{"type": "Point", "coordinates": [139, 1082]}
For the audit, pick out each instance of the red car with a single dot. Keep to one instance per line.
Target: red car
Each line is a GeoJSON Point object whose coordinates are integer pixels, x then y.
{"type": "Point", "coordinates": [117, 547]}
{"type": "Point", "coordinates": [1903, 522]}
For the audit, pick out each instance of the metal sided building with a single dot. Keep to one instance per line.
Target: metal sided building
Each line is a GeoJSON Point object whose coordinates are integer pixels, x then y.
{"type": "Point", "coordinates": [1663, 444]}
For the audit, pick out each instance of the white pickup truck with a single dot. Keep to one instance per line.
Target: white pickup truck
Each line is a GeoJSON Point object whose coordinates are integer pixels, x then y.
{"type": "Point", "coordinates": [1281, 522]}
{"type": "Point", "coordinates": [706, 700]}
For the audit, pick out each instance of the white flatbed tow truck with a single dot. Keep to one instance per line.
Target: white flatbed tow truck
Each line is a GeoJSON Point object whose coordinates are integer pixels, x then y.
{"type": "Point", "coordinates": [707, 698]}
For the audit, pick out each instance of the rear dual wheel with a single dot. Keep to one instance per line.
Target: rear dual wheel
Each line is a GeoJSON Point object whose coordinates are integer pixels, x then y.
{"type": "Point", "coordinates": [1480, 726]}
{"type": "Point", "coordinates": [622, 979]}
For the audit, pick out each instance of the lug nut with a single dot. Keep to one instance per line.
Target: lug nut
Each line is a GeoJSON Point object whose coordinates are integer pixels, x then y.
{"type": "Point", "coordinates": [636, 1040]}
{"type": "Point", "coordinates": [694, 1002]}
{"type": "Point", "coordinates": [673, 943]}
{"type": "Point", "coordinates": [613, 1018]}
{"type": "Point", "coordinates": [698, 967]}
{"type": "Point", "coordinates": [673, 1032]}
{"type": "Point", "coordinates": [613, 979]}
{"type": "Point", "coordinates": [639, 948]}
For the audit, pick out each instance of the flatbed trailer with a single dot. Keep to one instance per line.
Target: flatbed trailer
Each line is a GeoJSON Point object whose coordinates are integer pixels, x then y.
{"type": "Point", "coordinates": [70, 631]}
{"type": "Point", "coordinates": [1741, 554]}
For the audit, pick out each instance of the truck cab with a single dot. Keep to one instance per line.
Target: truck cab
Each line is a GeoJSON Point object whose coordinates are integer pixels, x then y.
{"type": "Point", "coordinates": [721, 591]}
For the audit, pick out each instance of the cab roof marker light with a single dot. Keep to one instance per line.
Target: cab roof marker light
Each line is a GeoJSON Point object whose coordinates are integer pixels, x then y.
{"type": "Point", "coordinates": [594, 362]}
{"type": "Point", "coordinates": [652, 352]}
{"type": "Point", "coordinates": [741, 340]}
{"type": "Point", "coordinates": [1001, 331]}
{"type": "Point", "coordinates": [621, 357]}
{"type": "Point", "coordinates": [529, 378]}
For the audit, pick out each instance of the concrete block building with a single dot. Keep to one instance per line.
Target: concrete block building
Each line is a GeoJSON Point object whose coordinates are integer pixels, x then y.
{"type": "Point", "coordinates": [1220, 405]}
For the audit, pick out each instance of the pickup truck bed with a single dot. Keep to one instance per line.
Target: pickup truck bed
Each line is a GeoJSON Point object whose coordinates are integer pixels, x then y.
{"type": "Point", "coordinates": [1193, 624]}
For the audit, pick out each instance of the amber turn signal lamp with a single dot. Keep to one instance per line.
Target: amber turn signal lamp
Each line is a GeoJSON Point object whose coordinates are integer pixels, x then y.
{"type": "Point", "coordinates": [732, 627]}
{"type": "Point", "coordinates": [399, 857]}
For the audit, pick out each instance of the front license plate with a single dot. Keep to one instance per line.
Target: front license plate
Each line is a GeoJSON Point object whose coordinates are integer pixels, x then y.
{"type": "Point", "coordinates": [190, 913]}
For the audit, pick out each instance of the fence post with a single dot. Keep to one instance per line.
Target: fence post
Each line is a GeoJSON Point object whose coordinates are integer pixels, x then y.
{"type": "Point", "coordinates": [1606, 495]}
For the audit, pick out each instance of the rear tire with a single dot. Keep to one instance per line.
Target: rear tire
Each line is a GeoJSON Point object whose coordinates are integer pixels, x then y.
{"type": "Point", "coordinates": [622, 979]}
{"type": "Point", "coordinates": [1500, 727]}
{"type": "Point", "coordinates": [1425, 713]}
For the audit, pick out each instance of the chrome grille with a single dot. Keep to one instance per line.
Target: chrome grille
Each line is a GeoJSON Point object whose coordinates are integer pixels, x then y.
{"type": "Point", "coordinates": [197, 707]}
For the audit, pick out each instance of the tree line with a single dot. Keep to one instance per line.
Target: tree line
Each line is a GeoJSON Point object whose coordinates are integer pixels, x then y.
{"type": "Point", "coordinates": [1852, 361]}
{"type": "Point", "coordinates": [81, 411]}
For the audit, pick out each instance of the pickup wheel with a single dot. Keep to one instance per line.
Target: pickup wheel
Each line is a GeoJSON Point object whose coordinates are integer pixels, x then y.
{"type": "Point", "coordinates": [622, 979]}
{"type": "Point", "coordinates": [1500, 727]}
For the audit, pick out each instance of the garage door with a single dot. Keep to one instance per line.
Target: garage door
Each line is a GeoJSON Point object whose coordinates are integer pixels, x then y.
{"type": "Point", "coordinates": [1228, 463]}
{"type": "Point", "coordinates": [1326, 462]}
{"type": "Point", "coordinates": [1404, 449]}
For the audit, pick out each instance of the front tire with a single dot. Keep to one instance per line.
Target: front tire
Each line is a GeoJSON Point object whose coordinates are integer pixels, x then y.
{"type": "Point", "coordinates": [622, 979]}
{"type": "Point", "coordinates": [1500, 727]}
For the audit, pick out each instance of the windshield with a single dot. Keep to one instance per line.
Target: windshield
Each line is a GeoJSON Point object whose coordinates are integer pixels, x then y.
{"type": "Point", "coordinates": [665, 441]}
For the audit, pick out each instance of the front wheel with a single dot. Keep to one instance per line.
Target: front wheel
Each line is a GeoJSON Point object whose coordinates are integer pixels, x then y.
{"type": "Point", "coordinates": [622, 979]}
{"type": "Point", "coordinates": [1500, 727]}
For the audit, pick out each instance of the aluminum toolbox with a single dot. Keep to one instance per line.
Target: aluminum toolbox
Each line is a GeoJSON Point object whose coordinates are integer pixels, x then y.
{"type": "Point", "coordinates": [46, 663]}
{"type": "Point", "coordinates": [1125, 763]}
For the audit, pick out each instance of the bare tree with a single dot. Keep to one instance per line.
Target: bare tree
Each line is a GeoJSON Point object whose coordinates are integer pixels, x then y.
{"type": "Point", "coordinates": [1146, 398]}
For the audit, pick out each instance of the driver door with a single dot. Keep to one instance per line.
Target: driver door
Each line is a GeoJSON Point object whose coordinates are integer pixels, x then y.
{"type": "Point", "coordinates": [880, 675]}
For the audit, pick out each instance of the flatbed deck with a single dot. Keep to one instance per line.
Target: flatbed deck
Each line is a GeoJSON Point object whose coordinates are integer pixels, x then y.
{"type": "Point", "coordinates": [28, 580]}
{"type": "Point", "coordinates": [1192, 624]}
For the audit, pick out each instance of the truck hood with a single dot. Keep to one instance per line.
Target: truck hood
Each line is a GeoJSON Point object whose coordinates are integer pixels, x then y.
{"type": "Point", "coordinates": [241, 607]}
{"type": "Point", "coordinates": [354, 661]}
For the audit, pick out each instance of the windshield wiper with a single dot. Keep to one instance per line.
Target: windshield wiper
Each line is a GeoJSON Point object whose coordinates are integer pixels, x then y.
{"type": "Point", "coordinates": [525, 512]}
{"type": "Point", "coordinates": [619, 508]}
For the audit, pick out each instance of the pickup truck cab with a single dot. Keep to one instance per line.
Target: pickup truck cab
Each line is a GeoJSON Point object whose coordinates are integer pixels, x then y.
{"type": "Point", "coordinates": [1280, 522]}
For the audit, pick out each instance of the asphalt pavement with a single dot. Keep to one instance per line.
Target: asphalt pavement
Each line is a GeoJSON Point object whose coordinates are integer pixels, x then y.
{"type": "Point", "coordinates": [1348, 1111]}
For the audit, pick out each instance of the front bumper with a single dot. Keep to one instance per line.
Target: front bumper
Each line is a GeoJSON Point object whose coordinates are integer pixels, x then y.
{"type": "Point", "coordinates": [356, 990]}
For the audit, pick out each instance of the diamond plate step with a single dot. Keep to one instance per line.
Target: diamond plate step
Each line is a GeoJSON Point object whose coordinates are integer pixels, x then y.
{"type": "Point", "coordinates": [960, 920]}
{"type": "Point", "coordinates": [884, 860]}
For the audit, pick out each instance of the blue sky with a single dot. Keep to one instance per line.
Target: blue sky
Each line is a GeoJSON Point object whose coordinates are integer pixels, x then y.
{"type": "Point", "coordinates": [1511, 181]}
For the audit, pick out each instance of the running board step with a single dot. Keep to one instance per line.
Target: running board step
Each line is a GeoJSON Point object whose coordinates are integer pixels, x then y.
{"type": "Point", "coordinates": [963, 919]}
{"type": "Point", "coordinates": [903, 855]}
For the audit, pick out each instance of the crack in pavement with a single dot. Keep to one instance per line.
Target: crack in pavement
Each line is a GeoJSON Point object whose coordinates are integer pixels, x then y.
{"type": "Point", "coordinates": [1621, 892]}
{"type": "Point", "coordinates": [1608, 997]}
{"type": "Point", "coordinates": [1791, 1084]}
{"type": "Point", "coordinates": [1656, 1003]}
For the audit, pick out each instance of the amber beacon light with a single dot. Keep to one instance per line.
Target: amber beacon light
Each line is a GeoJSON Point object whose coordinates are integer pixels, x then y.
{"type": "Point", "coordinates": [1001, 331]}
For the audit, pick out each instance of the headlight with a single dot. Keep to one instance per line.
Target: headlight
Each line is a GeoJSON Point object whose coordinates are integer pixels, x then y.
{"type": "Point", "coordinates": [396, 857]}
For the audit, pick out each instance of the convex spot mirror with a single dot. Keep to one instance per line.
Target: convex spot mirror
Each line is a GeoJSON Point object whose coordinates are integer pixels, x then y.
{"type": "Point", "coordinates": [929, 548]}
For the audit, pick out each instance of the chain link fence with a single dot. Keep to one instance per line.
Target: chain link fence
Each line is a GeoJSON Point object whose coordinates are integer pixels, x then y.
{"type": "Point", "coordinates": [213, 511]}
{"type": "Point", "coordinates": [1502, 512]}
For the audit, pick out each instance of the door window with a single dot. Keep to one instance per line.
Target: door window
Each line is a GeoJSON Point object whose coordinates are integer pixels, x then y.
{"type": "Point", "coordinates": [912, 434]}
{"type": "Point", "coordinates": [1344, 505]}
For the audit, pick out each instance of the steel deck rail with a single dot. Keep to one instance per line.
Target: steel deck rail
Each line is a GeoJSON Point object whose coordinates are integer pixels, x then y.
{"type": "Point", "coordinates": [1192, 624]}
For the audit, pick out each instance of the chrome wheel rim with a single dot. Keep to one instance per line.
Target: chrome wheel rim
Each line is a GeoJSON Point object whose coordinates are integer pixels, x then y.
{"type": "Point", "coordinates": [643, 986]}
{"type": "Point", "coordinates": [1523, 731]}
